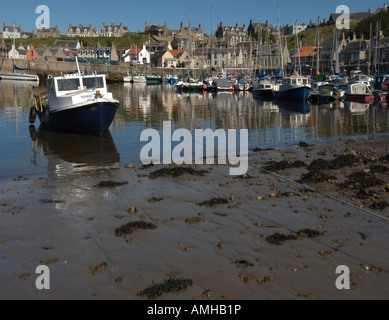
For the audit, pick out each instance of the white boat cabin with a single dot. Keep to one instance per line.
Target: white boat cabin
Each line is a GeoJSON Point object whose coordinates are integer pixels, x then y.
{"type": "Point", "coordinates": [73, 90]}
{"type": "Point", "coordinates": [296, 80]}
{"type": "Point", "coordinates": [359, 89]}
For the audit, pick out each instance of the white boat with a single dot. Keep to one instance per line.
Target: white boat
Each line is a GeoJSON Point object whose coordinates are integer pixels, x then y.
{"type": "Point", "coordinates": [264, 88]}
{"type": "Point", "coordinates": [76, 103]}
{"type": "Point", "coordinates": [139, 78]}
{"type": "Point", "coordinates": [358, 77]}
{"type": "Point", "coordinates": [127, 78]}
{"type": "Point", "coordinates": [189, 85]}
{"type": "Point", "coordinates": [19, 77]}
{"type": "Point", "coordinates": [14, 76]}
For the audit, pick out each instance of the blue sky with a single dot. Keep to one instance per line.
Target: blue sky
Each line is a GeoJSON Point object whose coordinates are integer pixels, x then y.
{"type": "Point", "coordinates": [135, 13]}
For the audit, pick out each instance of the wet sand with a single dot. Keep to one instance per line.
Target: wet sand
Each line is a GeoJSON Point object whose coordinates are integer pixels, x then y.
{"type": "Point", "coordinates": [245, 244]}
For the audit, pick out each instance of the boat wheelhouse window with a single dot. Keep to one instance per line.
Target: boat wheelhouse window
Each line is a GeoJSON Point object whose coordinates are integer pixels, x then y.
{"type": "Point", "coordinates": [93, 83]}
{"type": "Point", "coordinates": [294, 81]}
{"type": "Point", "coordinates": [68, 84]}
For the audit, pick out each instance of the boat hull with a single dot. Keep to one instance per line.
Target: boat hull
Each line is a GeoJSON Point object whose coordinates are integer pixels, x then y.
{"type": "Point", "coordinates": [152, 80]}
{"type": "Point", "coordinates": [18, 77]}
{"type": "Point", "coordinates": [190, 88]}
{"type": "Point", "coordinates": [92, 119]}
{"type": "Point", "coordinates": [264, 94]}
{"type": "Point", "coordinates": [362, 98]}
{"type": "Point", "coordinates": [297, 94]}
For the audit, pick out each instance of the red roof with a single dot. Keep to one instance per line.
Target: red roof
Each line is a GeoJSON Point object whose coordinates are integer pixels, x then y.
{"type": "Point", "coordinates": [176, 53]}
{"type": "Point", "coordinates": [134, 51]}
{"type": "Point", "coordinates": [306, 51]}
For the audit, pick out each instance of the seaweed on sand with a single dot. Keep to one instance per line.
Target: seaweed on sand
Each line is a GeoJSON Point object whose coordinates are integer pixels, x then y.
{"type": "Point", "coordinates": [169, 286]}
{"type": "Point", "coordinates": [133, 226]}
{"type": "Point", "coordinates": [110, 184]}
{"type": "Point", "coordinates": [214, 202]}
{"type": "Point", "coordinates": [176, 172]}
{"type": "Point", "coordinates": [347, 160]}
{"type": "Point", "coordinates": [283, 165]}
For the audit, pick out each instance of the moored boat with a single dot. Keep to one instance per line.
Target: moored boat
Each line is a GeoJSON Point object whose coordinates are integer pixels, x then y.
{"type": "Point", "coordinates": [75, 103]}
{"type": "Point", "coordinates": [242, 84]}
{"type": "Point", "coordinates": [127, 78]}
{"type": "Point", "coordinates": [153, 79]}
{"type": "Point", "coordinates": [359, 92]}
{"type": "Point", "coordinates": [264, 89]}
{"type": "Point", "coordinates": [139, 78]}
{"type": "Point", "coordinates": [189, 85]}
{"type": "Point", "coordinates": [223, 85]}
{"type": "Point", "coordinates": [295, 87]}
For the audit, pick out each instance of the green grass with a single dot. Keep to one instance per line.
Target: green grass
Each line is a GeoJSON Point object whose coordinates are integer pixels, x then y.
{"type": "Point", "coordinates": [132, 39]}
{"type": "Point", "coordinates": [308, 37]}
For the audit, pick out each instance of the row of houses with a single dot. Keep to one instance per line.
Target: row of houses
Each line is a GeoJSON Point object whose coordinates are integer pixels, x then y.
{"type": "Point", "coordinates": [109, 30]}
{"type": "Point", "coordinates": [350, 50]}
{"type": "Point", "coordinates": [229, 34]}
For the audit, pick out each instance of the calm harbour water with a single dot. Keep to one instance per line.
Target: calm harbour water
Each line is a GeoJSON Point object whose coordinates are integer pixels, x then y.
{"type": "Point", "coordinates": [270, 124]}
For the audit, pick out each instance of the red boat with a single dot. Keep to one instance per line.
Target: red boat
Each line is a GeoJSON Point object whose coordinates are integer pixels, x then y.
{"type": "Point", "coordinates": [359, 92]}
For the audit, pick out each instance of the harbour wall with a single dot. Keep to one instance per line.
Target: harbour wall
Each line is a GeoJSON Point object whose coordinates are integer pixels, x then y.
{"type": "Point", "coordinates": [115, 71]}
{"type": "Point", "coordinates": [118, 71]}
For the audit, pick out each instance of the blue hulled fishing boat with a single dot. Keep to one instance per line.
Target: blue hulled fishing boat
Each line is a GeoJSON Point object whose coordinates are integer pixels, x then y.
{"type": "Point", "coordinates": [75, 103]}
{"type": "Point", "coordinates": [295, 87]}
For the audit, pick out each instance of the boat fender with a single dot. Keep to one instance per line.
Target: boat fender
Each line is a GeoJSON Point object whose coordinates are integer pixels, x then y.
{"type": "Point", "coordinates": [32, 115]}
{"type": "Point", "coordinates": [45, 115]}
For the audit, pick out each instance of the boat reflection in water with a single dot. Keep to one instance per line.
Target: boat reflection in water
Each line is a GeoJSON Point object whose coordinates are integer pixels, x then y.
{"type": "Point", "coordinates": [294, 106]}
{"type": "Point", "coordinates": [73, 153]}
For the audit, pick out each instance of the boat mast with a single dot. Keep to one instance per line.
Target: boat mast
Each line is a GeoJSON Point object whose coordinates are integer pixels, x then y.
{"type": "Point", "coordinates": [337, 66]}
{"type": "Point", "coordinates": [318, 48]}
{"type": "Point", "coordinates": [190, 42]}
{"type": "Point", "coordinates": [211, 37]}
{"type": "Point", "coordinates": [370, 47]}
{"type": "Point", "coordinates": [279, 37]}
{"type": "Point", "coordinates": [14, 48]}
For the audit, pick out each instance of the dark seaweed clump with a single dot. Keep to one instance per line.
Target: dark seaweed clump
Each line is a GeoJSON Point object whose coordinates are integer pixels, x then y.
{"type": "Point", "coordinates": [362, 180]}
{"type": "Point", "coordinates": [315, 176]}
{"type": "Point", "coordinates": [277, 238]}
{"type": "Point", "coordinates": [169, 286]}
{"type": "Point", "coordinates": [379, 169]}
{"type": "Point", "coordinates": [46, 201]}
{"type": "Point", "coordinates": [365, 194]}
{"type": "Point", "coordinates": [261, 150]}
{"type": "Point", "coordinates": [379, 205]}
{"type": "Point", "coordinates": [244, 263]}
{"type": "Point", "coordinates": [133, 226]}
{"type": "Point", "coordinates": [214, 202]}
{"type": "Point", "coordinates": [110, 184]}
{"type": "Point", "coordinates": [283, 165]}
{"type": "Point", "coordinates": [309, 233]}
{"type": "Point", "coordinates": [347, 160]}
{"type": "Point", "coordinates": [176, 172]}
{"type": "Point", "coordinates": [385, 158]}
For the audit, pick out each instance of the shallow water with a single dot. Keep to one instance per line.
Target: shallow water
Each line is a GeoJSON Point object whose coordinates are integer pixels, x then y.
{"type": "Point", "coordinates": [32, 152]}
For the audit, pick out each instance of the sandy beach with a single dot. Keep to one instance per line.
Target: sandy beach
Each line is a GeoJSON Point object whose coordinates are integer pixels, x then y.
{"type": "Point", "coordinates": [114, 234]}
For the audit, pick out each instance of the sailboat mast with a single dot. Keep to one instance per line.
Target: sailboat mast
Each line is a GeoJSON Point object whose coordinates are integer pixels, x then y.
{"type": "Point", "coordinates": [370, 47]}
{"type": "Point", "coordinates": [13, 49]}
{"type": "Point", "coordinates": [279, 37]}
{"type": "Point", "coordinates": [211, 36]}
{"type": "Point", "coordinates": [318, 47]}
{"type": "Point", "coordinates": [337, 65]}
{"type": "Point", "coordinates": [190, 42]}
